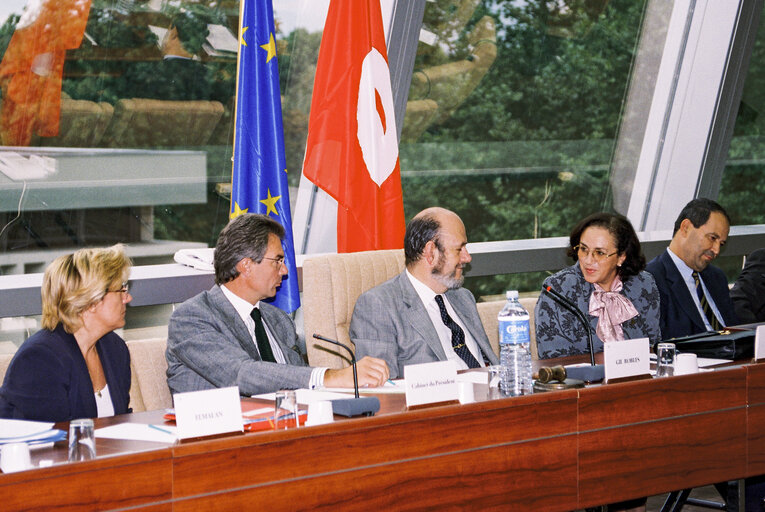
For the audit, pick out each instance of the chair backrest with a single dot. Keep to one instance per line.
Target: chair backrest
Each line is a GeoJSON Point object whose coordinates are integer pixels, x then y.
{"type": "Point", "coordinates": [331, 285]}
{"type": "Point", "coordinates": [142, 123]}
{"type": "Point", "coordinates": [8, 347]}
{"type": "Point", "coordinates": [488, 312]}
{"type": "Point", "coordinates": [149, 390]}
{"type": "Point", "coordinates": [82, 123]}
{"type": "Point", "coordinates": [5, 361]}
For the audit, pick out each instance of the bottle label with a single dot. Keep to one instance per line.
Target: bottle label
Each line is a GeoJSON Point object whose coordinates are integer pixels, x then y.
{"type": "Point", "coordinates": [514, 332]}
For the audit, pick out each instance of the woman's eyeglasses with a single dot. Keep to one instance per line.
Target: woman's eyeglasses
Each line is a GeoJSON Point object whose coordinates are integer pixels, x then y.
{"type": "Point", "coordinates": [597, 254]}
{"type": "Point", "coordinates": [123, 289]}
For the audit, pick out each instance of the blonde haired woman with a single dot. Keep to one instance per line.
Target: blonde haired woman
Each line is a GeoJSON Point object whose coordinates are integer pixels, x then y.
{"type": "Point", "coordinates": [75, 366]}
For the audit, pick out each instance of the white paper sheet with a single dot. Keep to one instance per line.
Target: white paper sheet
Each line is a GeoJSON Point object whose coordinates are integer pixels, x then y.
{"type": "Point", "coordinates": [390, 387]}
{"type": "Point", "coordinates": [307, 396]}
{"type": "Point", "coordinates": [23, 428]}
{"type": "Point", "coordinates": [139, 432]}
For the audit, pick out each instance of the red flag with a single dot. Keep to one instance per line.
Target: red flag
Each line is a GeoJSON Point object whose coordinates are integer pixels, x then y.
{"type": "Point", "coordinates": [352, 147]}
{"type": "Point", "coordinates": [30, 73]}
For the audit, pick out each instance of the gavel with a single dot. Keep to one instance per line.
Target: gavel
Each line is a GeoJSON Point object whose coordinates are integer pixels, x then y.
{"type": "Point", "coordinates": [547, 374]}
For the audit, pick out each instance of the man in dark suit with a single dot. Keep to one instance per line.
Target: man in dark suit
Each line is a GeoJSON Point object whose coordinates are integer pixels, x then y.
{"type": "Point", "coordinates": [227, 336]}
{"type": "Point", "coordinates": [748, 292]}
{"type": "Point", "coordinates": [423, 314]}
{"type": "Point", "coordinates": [694, 294]}
{"type": "Point", "coordinates": [179, 75]}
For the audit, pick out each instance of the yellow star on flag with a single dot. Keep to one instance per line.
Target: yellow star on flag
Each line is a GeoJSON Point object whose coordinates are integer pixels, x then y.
{"type": "Point", "coordinates": [241, 37]}
{"type": "Point", "coordinates": [270, 203]}
{"type": "Point", "coordinates": [270, 47]}
{"type": "Point", "coordinates": [237, 211]}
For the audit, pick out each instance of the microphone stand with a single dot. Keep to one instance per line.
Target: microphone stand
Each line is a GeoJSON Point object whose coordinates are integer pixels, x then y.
{"type": "Point", "coordinates": [353, 360]}
{"type": "Point", "coordinates": [563, 301]}
{"type": "Point", "coordinates": [596, 372]}
{"type": "Point", "coordinates": [358, 406]}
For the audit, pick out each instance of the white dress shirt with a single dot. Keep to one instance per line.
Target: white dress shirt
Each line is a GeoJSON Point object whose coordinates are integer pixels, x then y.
{"type": "Point", "coordinates": [243, 309]}
{"type": "Point", "coordinates": [686, 272]}
{"type": "Point", "coordinates": [428, 298]}
{"type": "Point", "coordinates": [104, 404]}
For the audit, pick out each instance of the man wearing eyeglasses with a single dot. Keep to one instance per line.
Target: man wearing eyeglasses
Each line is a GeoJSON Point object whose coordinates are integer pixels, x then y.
{"type": "Point", "coordinates": [423, 314]}
{"type": "Point", "coordinates": [227, 336]}
{"type": "Point", "coordinates": [694, 294]}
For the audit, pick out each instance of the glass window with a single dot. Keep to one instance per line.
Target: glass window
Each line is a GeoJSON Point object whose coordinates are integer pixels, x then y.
{"type": "Point", "coordinates": [120, 131]}
{"type": "Point", "coordinates": [743, 183]}
{"type": "Point", "coordinates": [513, 114]}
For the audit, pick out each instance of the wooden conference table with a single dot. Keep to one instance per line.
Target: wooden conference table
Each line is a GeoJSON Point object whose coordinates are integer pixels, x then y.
{"type": "Point", "coordinates": [552, 451]}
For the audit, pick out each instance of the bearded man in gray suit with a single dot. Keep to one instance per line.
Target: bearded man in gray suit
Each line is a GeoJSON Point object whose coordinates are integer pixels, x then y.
{"type": "Point", "coordinates": [227, 336]}
{"type": "Point", "coordinates": [423, 314]}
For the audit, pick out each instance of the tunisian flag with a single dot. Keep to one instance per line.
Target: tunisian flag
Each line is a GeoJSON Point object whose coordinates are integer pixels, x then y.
{"type": "Point", "coordinates": [31, 69]}
{"type": "Point", "coordinates": [352, 147]}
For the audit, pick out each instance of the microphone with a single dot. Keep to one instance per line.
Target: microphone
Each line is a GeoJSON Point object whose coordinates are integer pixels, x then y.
{"type": "Point", "coordinates": [595, 372]}
{"type": "Point", "coordinates": [366, 406]}
{"type": "Point", "coordinates": [548, 374]}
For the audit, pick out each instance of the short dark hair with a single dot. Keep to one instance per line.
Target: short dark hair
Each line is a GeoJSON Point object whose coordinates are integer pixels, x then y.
{"type": "Point", "coordinates": [621, 229]}
{"type": "Point", "coordinates": [419, 232]}
{"type": "Point", "coordinates": [246, 236]}
{"type": "Point", "coordinates": [698, 212]}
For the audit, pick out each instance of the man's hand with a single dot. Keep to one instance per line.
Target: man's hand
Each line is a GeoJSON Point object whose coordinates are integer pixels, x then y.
{"type": "Point", "coordinates": [372, 373]}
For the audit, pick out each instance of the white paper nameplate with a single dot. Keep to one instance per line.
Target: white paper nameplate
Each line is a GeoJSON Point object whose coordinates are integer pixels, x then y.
{"type": "Point", "coordinates": [429, 383]}
{"type": "Point", "coordinates": [759, 341]}
{"type": "Point", "coordinates": [208, 412]}
{"type": "Point", "coordinates": [626, 358]}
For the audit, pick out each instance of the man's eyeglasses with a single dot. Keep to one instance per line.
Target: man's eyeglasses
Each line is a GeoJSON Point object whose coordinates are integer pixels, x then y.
{"type": "Point", "coordinates": [597, 254]}
{"type": "Point", "coordinates": [279, 261]}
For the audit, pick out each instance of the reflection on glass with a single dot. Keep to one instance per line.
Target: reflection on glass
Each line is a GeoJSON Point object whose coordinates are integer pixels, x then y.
{"type": "Point", "coordinates": [82, 82]}
{"type": "Point", "coordinates": [743, 185]}
{"type": "Point", "coordinates": [513, 113]}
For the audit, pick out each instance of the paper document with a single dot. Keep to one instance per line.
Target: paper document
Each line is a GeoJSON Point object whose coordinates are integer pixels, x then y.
{"type": "Point", "coordinates": [474, 377]}
{"type": "Point", "coordinates": [706, 362]}
{"type": "Point", "coordinates": [22, 428]}
{"type": "Point", "coordinates": [307, 396]}
{"type": "Point", "coordinates": [390, 387]}
{"type": "Point", "coordinates": [30, 432]}
{"type": "Point", "coordinates": [139, 432]}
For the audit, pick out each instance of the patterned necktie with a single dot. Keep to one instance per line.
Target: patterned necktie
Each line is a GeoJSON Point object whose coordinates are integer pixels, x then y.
{"type": "Point", "coordinates": [264, 347]}
{"type": "Point", "coordinates": [705, 307]}
{"type": "Point", "coordinates": [458, 335]}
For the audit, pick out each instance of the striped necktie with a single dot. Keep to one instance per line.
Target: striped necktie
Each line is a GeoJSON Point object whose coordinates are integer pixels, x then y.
{"type": "Point", "coordinates": [705, 307]}
{"type": "Point", "coordinates": [458, 335]}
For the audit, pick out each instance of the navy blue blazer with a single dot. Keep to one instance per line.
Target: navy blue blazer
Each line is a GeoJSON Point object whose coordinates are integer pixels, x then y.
{"type": "Point", "coordinates": [48, 380]}
{"type": "Point", "coordinates": [679, 314]}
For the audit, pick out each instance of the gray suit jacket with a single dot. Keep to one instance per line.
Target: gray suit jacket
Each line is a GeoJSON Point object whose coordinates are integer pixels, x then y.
{"type": "Point", "coordinates": [391, 322]}
{"type": "Point", "coordinates": [208, 346]}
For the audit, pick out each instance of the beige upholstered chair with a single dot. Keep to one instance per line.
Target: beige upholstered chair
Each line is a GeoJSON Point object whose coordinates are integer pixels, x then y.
{"type": "Point", "coordinates": [488, 312]}
{"type": "Point", "coordinates": [331, 285]}
{"type": "Point", "coordinates": [148, 390]}
{"type": "Point", "coordinates": [8, 347]}
{"type": "Point", "coordinates": [140, 123]}
{"type": "Point", "coordinates": [82, 124]}
{"type": "Point", "coordinates": [5, 361]}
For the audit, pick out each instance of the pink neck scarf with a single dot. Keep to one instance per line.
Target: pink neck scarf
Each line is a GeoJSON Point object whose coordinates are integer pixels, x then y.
{"type": "Point", "coordinates": [612, 308]}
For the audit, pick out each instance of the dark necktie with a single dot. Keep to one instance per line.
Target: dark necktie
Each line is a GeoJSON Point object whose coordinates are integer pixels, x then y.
{"type": "Point", "coordinates": [705, 307]}
{"type": "Point", "coordinates": [264, 347]}
{"type": "Point", "coordinates": [458, 335]}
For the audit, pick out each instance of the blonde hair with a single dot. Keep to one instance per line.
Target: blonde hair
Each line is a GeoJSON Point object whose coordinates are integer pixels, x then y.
{"type": "Point", "coordinates": [72, 283]}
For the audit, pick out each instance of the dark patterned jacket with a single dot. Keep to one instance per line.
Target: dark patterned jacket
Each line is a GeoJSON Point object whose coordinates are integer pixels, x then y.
{"type": "Point", "coordinates": [560, 333]}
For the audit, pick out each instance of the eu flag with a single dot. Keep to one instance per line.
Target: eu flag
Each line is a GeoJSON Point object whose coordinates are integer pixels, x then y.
{"type": "Point", "coordinates": [259, 180]}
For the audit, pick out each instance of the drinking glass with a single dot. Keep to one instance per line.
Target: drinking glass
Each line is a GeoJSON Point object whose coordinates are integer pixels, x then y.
{"type": "Point", "coordinates": [286, 409]}
{"type": "Point", "coordinates": [82, 440]}
{"type": "Point", "coordinates": [665, 359]}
